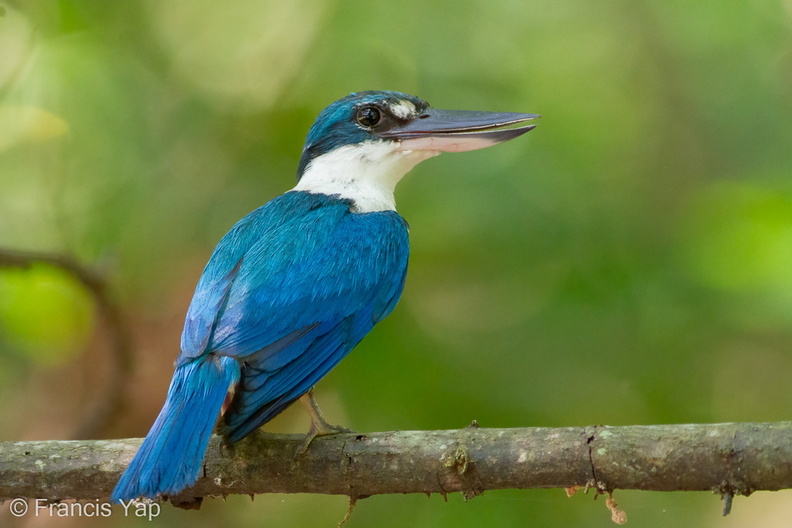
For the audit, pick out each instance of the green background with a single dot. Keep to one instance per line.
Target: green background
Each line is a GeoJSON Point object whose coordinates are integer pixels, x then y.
{"type": "Point", "coordinates": [627, 262]}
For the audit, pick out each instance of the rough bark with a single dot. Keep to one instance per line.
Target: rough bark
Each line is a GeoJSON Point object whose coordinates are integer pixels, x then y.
{"type": "Point", "coordinates": [730, 459]}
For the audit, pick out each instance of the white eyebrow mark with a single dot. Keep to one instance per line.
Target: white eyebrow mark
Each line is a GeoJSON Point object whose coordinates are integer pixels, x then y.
{"type": "Point", "coordinates": [403, 109]}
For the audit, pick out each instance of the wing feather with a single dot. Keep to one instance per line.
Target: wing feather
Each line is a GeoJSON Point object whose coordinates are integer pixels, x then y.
{"type": "Point", "coordinates": [288, 292]}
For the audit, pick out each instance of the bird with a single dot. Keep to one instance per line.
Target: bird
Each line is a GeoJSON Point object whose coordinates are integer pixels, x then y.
{"type": "Point", "coordinates": [296, 284]}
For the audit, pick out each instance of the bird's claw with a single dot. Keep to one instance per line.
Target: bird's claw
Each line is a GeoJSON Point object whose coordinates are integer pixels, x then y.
{"type": "Point", "coordinates": [324, 429]}
{"type": "Point", "coordinates": [319, 426]}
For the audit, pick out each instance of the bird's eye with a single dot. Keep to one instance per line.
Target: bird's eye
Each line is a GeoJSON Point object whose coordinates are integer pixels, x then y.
{"type": "Point", "coordinates": [368, 116]}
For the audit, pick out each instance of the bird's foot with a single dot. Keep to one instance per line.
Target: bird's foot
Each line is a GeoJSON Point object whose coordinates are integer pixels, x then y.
{"type": "Point", "coordinates": [319, 426]}
{"type": "Point", "coordinates": [326, 430]}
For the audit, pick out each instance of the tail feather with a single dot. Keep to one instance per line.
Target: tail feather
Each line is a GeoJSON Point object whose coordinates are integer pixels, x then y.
{"type": "Point", "coordinates": [171, 455]}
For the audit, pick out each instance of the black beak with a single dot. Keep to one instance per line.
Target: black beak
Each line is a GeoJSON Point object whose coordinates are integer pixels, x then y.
{"type": "Point", "coordinates": [459, 130]}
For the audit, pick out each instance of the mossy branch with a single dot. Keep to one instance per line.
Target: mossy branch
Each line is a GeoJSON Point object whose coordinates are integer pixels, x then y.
{"type": "Point", "coordinates": [729, 459]}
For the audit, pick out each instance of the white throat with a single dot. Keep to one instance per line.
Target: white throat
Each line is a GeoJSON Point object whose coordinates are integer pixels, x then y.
{"type": "Point", "coordinates": [366, 173]}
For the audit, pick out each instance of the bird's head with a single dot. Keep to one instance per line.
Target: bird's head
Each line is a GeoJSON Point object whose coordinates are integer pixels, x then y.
{"type": "Point", "coordinates": [360, 146]}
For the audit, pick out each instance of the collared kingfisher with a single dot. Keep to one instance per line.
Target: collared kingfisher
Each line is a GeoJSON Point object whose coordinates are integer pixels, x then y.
{"type": "Point", "coordinates": [297, 283]}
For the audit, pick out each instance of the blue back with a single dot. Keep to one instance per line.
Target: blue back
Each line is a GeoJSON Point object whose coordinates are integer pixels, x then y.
{"type": "Point", "coordinates": [288, 292]}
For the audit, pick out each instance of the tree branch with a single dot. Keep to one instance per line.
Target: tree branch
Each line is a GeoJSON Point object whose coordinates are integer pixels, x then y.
{"type": "Point", "coordinates": [730, 459]}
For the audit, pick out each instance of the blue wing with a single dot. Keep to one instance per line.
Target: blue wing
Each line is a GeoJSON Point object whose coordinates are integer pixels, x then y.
{"type": "Point", "coordinates": [288, 292]}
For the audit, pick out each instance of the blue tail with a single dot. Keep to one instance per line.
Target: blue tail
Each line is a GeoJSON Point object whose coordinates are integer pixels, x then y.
{"type": "Point", "coordinates": [170, 457]}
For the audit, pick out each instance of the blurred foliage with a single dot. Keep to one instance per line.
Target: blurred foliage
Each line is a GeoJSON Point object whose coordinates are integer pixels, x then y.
{"type": "Point", "coordinates": [629, 261]}
{"type": "Point", "coordinates": [45, 313]}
